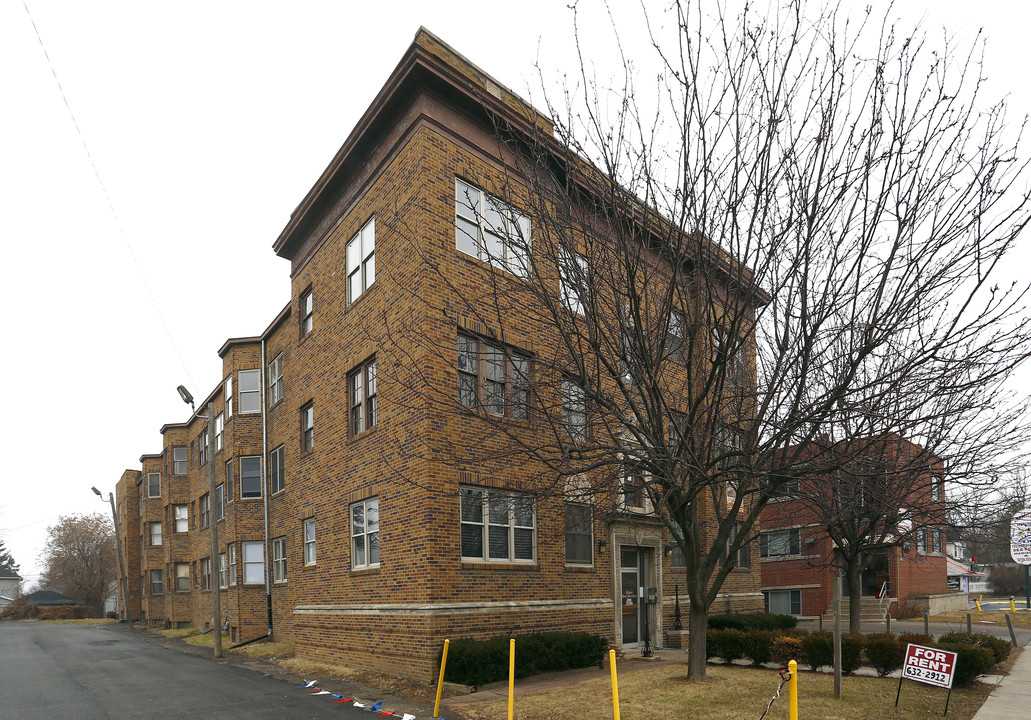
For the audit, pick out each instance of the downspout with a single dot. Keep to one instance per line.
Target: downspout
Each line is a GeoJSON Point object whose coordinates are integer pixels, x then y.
{"type": "Point", "coordinates": [264, 496]}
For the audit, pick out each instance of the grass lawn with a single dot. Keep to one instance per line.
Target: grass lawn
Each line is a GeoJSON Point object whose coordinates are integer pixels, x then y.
{"type": "Point", "coordinates": [1020, 619]}
{"type": "Point", "coordinates": [734, 693]}
{"type": "Point", "coordinates": [88, 621]}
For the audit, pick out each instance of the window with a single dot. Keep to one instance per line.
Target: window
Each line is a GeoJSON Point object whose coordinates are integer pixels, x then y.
{"type": "Point", "coordinates": [220, 502]}
{"type": "Point", "coordinates": [279, 559]}
{"type": "Point", "coordinates": [202, 447]}
{"type": "Point", "coordinates": [229, 480]}
{"type": "Point", "coordinates": [633, 489]}
{"type": "Point", "coordinates": [579, 534]}
{"type": "Point", "coordinates": [677, 558]}
{"type": "Point", "coordinates": [921, 540]}
{"type": "Point", "coordinates": [157, 582]}
{"type": "Point", "coordinates": [573, 281]}
{"type": "Point", "coordinates": [779, 543]}
{"type": "Point", "coordinates": [276, 472]}
{"type": "Point", "coordinates": [309, 541]}
{"type": "Point", "coordinates": [153, 484]}
{"type": "Point", "coordinates": [498, 376]}
{"type": "Point", "coordinates": [181, 518]}
{"type": "Point", "coordinates": [361, 261]}
{"type": "Point", "coordinates": [307, 427]}
{"type": "Point", "coordinates": [228, 394]}
{"type": "Point", "coordinates": [937, 484]}
{"type": "Point", "coordinates": [250, 476]}
{"type": "Point", "coordinates": [365, 534]}
{"type": "Point", "coordinates": [253, 562]}
{"type": "Point", "coordinates": [205, 510]}
{"type": "Point", "coordinates": [936, 541]}
{"type": "Point", "coordinates": [222, 575]}
{"type": "Point", "coordinates": [783, 602]}
{"type": "Point", "coordinates": [155, 534]}
{"type": "Point", "coordinates": [307, 308]}
{"type": "Point", "coordinates": [232, 563]}
{"type": "Point", "coordinates": [497, 526]}
{"type": "Point", "coordinates": [491, 230]}
{"type": "Point", "coordinates": [676, 343]}
{"type": "Point", "coordinates": [362, 383]}
{"type": "Point", "coordinates": [179, 460]}
{"type": "Point", "coordinates": [275, 380]}
{"type": "Point", "coordinates": [783, 486]}
{"type": "Point", "coordinates": [728, 355]}
{"type": "Point", "coordinates": [220, 424]}
{"type": "Point", "coordinates": [250, 391]}
{"type": "Point", "coordinates": [205, 573]}
{"type": "Point", "coordinates": [743, 557]}
{"type": "Point", "coordinates": [574, 410]}
{"type": "Point", "coordinates": [182, 577]}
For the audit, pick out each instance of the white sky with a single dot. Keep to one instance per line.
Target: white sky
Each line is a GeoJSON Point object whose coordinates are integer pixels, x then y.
{"type": "Point", "coordinates": [207, 122]}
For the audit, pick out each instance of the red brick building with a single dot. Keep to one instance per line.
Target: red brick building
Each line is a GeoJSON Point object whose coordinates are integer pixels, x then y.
{"type": "Point", "coordinates": [799, 559]}
{"type": "Point", "coordinates": [338, 531]}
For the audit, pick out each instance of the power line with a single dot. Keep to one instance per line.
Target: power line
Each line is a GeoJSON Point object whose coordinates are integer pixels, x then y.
{"type": "Point", "coordinates": [107, 197]}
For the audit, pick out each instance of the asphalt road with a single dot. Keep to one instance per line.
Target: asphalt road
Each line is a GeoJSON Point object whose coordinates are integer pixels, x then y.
{"type": "Point", "coordinates": [50, 670]}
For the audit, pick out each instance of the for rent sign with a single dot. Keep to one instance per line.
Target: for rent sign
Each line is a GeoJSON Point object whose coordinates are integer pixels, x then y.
{"type": "Point", "coordinates": [1020, 537]}
{"type": "Point", "coordinates": [929, 665]}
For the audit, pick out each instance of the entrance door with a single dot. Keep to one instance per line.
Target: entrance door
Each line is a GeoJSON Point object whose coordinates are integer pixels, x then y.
{"type": "Point", "coordinates": [634, 577]}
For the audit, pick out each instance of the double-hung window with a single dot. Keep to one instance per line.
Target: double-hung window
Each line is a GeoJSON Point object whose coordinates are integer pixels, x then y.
{"type": "Point", "coordinates": [780, 543]}
{"type": "Point", "coordinates": [155, 534]}
{"type": "Point", "coordinates": [232, 563]}
{"type": "Point", "coordinates": [579, 534]}
{"type": "Point", "coordinates": [277, 474]}
{"type": "Point", "coordinates": [491, 230]}
{"type": "Point", "coordinates": [220, 502]}
{"type": "Point", "coordinates": [250, 476]}
{"type": "Point", "coordinates": [181, 517]}
{"type": "Point", "coordinates": [365, 534]}
{"type": "Point", "coordinates": [253, 562]}
{"type": "Point", "coordinates": [309, 541]}
{"type": "Point", "coordinates": [153, 485]}
{"type": "Point", "coordinates": [179, 460]}
{"type": "Point", "coordinates": [921, 540]}
{"type": "Point", "coordinates": [275, 380]}
{"type": "Point", "coordinates": [205, 573]}
{"type": "Point", "coordinates": [361, 261]}
{"type": "Point", "coordinates": [220, 424]}
{"type": "Point", "coordinates": [157, 582]}
{"type": "Point", "coordinates": [573, 283]}
{"type": "Point", "coordinates": [497, 526]}
{"type": "Point", "coordinates": [783, 602]}
{"type": "Point", "coordinates": [228, 394]}
{"type": "Point", "coordinates": [202, 447]}
{"type": "Point", "coordinates": [229, 480]}
{"type": "Point", "coordinates": [362, 384]}
{"type": "Point", "coordinates": [222, 571]}
{"type": "Point", "coordinates": [574, 410]}
{"type": "Point", "coordinates": [279, 559]}
{"type": "Point", "coordinates": [495, 374]}
{"type": "Point", "coordinates": [205, 510]}
{"type": "Point", "coordinates": [307, 310]}
{"type": "Point", "coordinates": [742, 558]}
{"type": "Point", "coordinates": [728, 352]}
{"type": "Point", "coordinates": [182, 577]}
{"type": "Point", "coordinates": [250, 391]}
{"type": "Point", "coordinates": [307, 427]}
{"type": "Point", "coordinates": [676, 342]}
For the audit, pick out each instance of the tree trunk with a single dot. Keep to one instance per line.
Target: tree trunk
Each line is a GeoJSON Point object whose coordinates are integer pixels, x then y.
{"type": "Point", "coordinates": [696, 640]}
{"type": "Point", "coordinates": [855, 593]}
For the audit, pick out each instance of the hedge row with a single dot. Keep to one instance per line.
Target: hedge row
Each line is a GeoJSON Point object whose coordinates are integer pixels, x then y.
{"type": "Point", "coordinates": [477, 662]}
{"type": "Point", "coordinates": [25, 611]}
{"type": "Point", "coordinates": [752, 621]}
{"type": "Point", "coordinates": [885, 652]}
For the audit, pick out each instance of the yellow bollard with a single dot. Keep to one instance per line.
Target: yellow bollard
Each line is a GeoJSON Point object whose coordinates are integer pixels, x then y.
{"type": "Point", "coordinates": [440, 682]}
{"type": "Point", "coordinates": [511, 677]}
{"type": "Point", "coordinates": [793, 691]}
{"type": "Point", "coordinates": [977, 604]}
{"type": "Point", "coordinates": [1013, 608]}
{"type": "Point", "coordinates": [615, 685]}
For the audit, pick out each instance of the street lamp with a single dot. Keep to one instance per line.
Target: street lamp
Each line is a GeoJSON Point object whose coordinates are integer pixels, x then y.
{"type": "Point", "coordinates": [216, 600]}
{"type": "Point", "coordinates": [121, 562]}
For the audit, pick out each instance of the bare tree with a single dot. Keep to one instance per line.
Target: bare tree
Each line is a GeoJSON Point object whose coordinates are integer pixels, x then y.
{"type": "Point", "coordinates": [80, 560]}
{"type": "Point", "coordinates": [802, 243]}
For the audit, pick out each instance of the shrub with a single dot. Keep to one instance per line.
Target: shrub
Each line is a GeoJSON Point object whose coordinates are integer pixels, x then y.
{"type": "Point", "coordinates": [885, 652]}
{"type": "Point", "coordinates": [1000, 648]}
{"type": "Point", "coordinates": [903, 610]}
{"type": "Point", "coordinates": [728, 645]}
{"type": "Point", "coordinates": [787, 648]}
{"type": "Point", "coordinates": [818, 649]}
{"type": "Point", "coordinates": [972, 662]}
{"type": "Point", "coordinates": [759, 646]}
{"type": "Point", "coordinates": [851, 651]}
{"type": "Point", "coordinates": [477, 662]}
{"type": "Point", "coordinates": [67, 612]}
{"type": "Point", "coordinates": [752, 621]}
{"type": "Point", "coordinates": [907, 638]}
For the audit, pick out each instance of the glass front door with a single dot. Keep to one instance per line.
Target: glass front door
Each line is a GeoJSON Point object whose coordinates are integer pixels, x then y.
{"type": "Point", "coordinates": [634, 578]}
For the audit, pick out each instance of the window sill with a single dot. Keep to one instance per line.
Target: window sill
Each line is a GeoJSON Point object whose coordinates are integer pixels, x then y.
{"type": "Point", "coordinates": [777, 558]}
{"type": "Point", "coordinates": [365, 433]}
{"type": "Point", "coordinates": [523, 566]}
{"type": "Point", "coordinates": [580, 567]}
{"type": "Point", "coordinates": [363, 570]}
{"type": "Point", "coordinates": [365, 293]}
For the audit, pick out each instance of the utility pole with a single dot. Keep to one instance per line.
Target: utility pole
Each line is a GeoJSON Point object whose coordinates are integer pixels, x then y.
{"type": "Point", "coordinates": [121, 562]}
{"type": "Point", "coordinates": [216, 592]}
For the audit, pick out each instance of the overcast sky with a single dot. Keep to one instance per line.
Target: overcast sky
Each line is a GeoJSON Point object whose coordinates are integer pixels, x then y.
{"type": "Point", "coordinates": [206, 123]}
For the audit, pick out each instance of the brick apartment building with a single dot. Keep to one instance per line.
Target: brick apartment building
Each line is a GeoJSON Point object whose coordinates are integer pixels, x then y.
{"type": "Point", "coordinates": [340, 529]}
{"type": "Point", "coordinates": [798, 555]}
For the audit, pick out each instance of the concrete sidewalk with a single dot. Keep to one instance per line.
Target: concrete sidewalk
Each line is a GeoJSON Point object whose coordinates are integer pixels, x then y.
{"type": "Point", "coordinates": [1012, 698]}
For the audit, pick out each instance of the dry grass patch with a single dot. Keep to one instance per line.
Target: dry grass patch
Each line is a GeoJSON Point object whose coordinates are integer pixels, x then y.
{"type": "Point", "coordinates": [732, 693]}
{"type": "Point", "coordinates": [388, 684]}
{"type": "Point", "coordinates": [208, 640]}
{"type": "Point", "coordinates": [1019, 619]}
{"type": "Point", "coordinates": [179, 633]}
{"type": "Point", "coordinates": [88, 621]}
{"type": "Point", "coordinates": [266, 650]}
